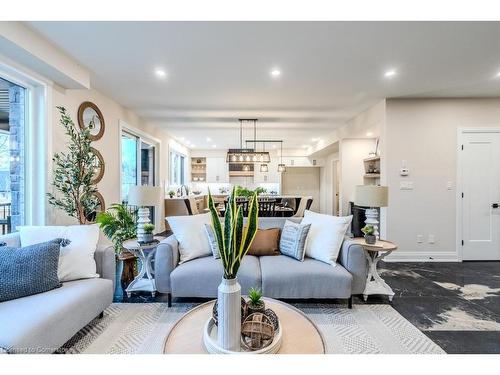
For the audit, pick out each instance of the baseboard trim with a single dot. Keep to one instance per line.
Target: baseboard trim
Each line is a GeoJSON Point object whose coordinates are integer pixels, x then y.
{"type": "Point", "coordinates": [419, 256]}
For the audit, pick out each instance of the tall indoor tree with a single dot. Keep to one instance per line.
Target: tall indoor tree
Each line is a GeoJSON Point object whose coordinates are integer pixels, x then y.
{"type": "Point", "coordinates": [73, 173]}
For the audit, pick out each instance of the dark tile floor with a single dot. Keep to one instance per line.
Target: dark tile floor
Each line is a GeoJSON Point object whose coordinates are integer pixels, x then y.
{"type": "Point", "coordinates": [457, 305]}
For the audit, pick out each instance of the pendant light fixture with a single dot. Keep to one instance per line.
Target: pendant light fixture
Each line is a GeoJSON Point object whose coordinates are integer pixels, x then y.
{"type": "Point", "coordinates": [263, 167]}
{"type": "Point", "coordinates": [247, 155]}
{"type": "Point", "coordinates": [281, 166]}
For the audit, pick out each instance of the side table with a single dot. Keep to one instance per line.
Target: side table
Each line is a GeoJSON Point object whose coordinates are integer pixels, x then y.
{"type": "Point", "coordinates": [374, 253]}
{"type": "Point", "coordinates": [144, 281]}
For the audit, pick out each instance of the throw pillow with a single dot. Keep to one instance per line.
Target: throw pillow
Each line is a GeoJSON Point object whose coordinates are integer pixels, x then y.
{"type": "Point", "coordinates": [293, 239]}
{"type": "Point", "coordinates": [266, 242]}
{"type": "Point", "coordinates": [29, 270]}
{"type": "Point", "coordinates": [76, 261]}
{"type": "Point", "coordinates": [325, 236]}
{"type": "Point", "coordinates": [190, 233]}
{"type": "Point", "coordinates": [212, 240]}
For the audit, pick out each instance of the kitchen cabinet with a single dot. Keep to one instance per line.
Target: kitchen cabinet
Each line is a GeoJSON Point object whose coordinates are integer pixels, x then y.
{"type": "Point", "coordinates": [217, 170]}
{"type": "Point", "coordinates": [271, 176]}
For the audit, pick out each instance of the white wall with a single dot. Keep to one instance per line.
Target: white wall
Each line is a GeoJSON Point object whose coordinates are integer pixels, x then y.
{"type": "Point", "coordinates": [424, 133]}
{"type": "Point", "coordinates": [327, 188]}
{"type": "Point", "coordinates": [352, 152]}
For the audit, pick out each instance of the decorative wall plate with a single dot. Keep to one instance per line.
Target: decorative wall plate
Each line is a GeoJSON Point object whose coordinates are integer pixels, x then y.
{"type": "Point", "coordinates": [99, 167]}
{"type": "Point", "coordinates": [90, 116]}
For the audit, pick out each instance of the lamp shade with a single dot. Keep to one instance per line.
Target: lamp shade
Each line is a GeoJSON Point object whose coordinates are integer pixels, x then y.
{"type": "Point", "coordinates": [144, 195]}
{"type": "Point", "coordinates": [371, 196]}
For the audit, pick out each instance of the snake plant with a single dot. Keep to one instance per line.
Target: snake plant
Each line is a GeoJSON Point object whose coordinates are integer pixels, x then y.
{"type": "Point", "coordinates": [234, 239]}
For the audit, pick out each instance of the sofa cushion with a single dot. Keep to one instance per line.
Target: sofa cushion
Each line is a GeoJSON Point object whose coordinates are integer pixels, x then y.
{"type": "Point", "coordinates": [293, 240]}
{"type": "Point", "coordinates": [29, 270]}
{"type": "Point", "coordinates": [265, 242]}
{"type": "Point", "coordinates": [43, 322]}
{"type": "Point", "coordinates": [76, 261]}
{"type": "Point", "coordinates": [325, 236]}
{"type": "Point", "coordinates": [191, 234]}
{"type": "Point", "coordinates": [201, 277]}
{"type": "Point", "coordinates": [284, 277]}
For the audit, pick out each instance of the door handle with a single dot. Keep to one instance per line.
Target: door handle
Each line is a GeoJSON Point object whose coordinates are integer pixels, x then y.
{"type": "Point", "coordinates": [495, 205]}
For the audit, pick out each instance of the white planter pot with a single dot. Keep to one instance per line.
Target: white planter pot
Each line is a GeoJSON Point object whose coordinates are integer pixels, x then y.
{"type": "Point", "coordinates": [229, 315]}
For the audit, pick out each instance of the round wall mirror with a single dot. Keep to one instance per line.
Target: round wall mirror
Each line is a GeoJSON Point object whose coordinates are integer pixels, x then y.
{"type": "Point", "coordinates": [101, 207]}
{"type": "Point", "coordinates": [90, 117]}
{"type": "Point", "coordinates": [98, 167]}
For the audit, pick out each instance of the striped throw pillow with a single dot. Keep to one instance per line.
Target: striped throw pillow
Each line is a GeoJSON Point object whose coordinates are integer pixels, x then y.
{"type": "Point", "coordinates": [293, 239]}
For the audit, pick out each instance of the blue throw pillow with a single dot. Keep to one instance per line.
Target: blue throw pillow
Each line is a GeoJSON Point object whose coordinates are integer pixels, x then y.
{"type": "Point", "coordinates": [29, 270]}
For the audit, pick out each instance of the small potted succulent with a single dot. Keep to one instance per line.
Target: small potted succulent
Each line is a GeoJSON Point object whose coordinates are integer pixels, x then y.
{"type": "Point", "coordinates": [256, 304]}
{"type": "Point", "coordinates": [171, 193]}
{"type": "Point", "coordinates": [148, 232]}
{"type": "Point", "coordinates": [369, 232]}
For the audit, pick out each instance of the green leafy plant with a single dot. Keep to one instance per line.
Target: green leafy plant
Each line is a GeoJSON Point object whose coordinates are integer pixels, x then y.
{"type": "Point", "coordinates": [118, 224]}
{"type": "Point", "coordinates": [148, 228]}
{"type": "Point", "coordinates": [171, 193]}
{"type": "Point", "coordinates": [73, 173]}
{"type": "Point", "coordinates": [255, 296]}
{"type": "Point", "coordinates": [235, 239]}
{"type": "Point", "coordinates": [244, 192]}
{"type": "Point", "coordinates": [368, 230]}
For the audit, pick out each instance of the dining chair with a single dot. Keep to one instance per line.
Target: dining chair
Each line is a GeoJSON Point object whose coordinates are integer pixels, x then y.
{"type": "Point", "coordinates": [267, 208]}
{"type": "Point", "coordinates": [305, 204]}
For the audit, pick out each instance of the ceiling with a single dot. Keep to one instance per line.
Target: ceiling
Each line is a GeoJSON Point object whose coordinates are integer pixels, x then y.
{"type": "Point", "coordinates": [218, 72]}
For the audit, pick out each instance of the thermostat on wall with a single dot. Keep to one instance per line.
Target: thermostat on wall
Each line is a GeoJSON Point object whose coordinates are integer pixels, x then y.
{"type": "Point", "coordinates": [404, 171]}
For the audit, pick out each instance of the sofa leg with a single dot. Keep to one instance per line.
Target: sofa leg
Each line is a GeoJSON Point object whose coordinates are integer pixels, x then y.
{"type": "Point", "coordinates": [101, 315]}
{"type": "Point", "coordinates": [169, 299]}
{"type": "Point", "coordinates": [349, 302]}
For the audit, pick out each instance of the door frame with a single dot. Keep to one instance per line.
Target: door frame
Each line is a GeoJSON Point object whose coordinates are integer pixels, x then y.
{"type": "Point", "coordinates": [461, 130]}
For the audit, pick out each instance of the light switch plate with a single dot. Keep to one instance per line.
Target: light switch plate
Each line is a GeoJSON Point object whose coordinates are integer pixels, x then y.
{"type": "Point", "coordinates": [406, 185]}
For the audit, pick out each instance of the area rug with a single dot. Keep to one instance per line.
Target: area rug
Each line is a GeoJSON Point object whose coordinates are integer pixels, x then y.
{"type": "Point", "coordinates": [141, 328]}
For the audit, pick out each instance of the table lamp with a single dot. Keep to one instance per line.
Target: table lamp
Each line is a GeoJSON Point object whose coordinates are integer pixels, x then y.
{"type": "Point", "coordinates": [143, 197]}
{"type": "Point", "coordinates": [372, 196]}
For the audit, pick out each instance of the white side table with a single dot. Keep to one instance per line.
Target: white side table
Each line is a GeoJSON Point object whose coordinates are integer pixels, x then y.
{"type": "Point", "coordinates": [145, 280]}
{"type": "Point", "coordinates": [374, 253]}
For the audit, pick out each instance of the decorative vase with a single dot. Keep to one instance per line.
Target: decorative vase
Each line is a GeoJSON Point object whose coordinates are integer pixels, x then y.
{"type": "Point", "coordinates": [370, 239]}
{"type": "Point", "coordinates": [229, 314]}
{"type": "Point", "coordinates": [148, 237]}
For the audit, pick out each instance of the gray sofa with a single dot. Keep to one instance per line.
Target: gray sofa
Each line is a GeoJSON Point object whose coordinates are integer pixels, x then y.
{"type": "Point", "coordinates": [277, 276]}
{"type": "Point", "coordinates": [42, 323]}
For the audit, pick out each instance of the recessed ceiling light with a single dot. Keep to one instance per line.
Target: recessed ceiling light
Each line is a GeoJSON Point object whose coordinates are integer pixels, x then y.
{"type": "Point", "coordinates": [214, 146]}
{"type": "Point", "coordinates": [160, 73]}
{"type": "Point", "coordinates": [275, 73]}
{"type": "Point", "coordinates": [314, 139]}
{"type": "Point", "coordinates": [390, 73]}
{"type": "Point", "coordinates": [498, 75]}
{"type": "Point", "coordinates": [369, 134]}
{"type": "Point", "coordinates": [209, 139]}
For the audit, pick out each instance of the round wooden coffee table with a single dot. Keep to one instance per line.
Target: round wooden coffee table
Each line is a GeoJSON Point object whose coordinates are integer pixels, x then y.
{"type": "Point", "coordinates": [300, 334]}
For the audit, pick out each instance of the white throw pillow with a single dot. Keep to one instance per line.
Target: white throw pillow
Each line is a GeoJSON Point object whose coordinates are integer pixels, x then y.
{"type": "Point", "coordinates": [325, 236]}
{"type": "Point", "coordinates": [191, 235]}
{"type": "Point", "coordinates": [76, 261]}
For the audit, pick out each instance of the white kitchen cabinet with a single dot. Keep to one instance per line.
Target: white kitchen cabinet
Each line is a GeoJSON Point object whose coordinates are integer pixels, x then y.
{"type": "Point", "coordinates": [217, 170]}
{"type": "Point", "coordinates": [271, 176]}
{"type": "Point", "coordinates": [301, 161]}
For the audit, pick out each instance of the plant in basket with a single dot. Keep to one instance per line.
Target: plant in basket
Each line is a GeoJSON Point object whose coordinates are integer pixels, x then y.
{"type": "Point", "coordinates": [234, 241]}
{"type": "Point", "coordinates": [256, 304]}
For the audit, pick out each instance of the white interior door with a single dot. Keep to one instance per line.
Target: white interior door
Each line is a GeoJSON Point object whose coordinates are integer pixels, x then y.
{"type": "Point", "coordinates": [480, 164]}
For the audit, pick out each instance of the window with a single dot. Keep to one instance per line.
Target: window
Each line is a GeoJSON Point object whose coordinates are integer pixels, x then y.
{"type": "Point", "coordinates": [138, 162]}
{"type": "Point", "coordinates": [177, 162]}
{"type": "Point", "coordinates": [12, 144]}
